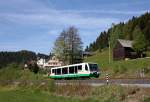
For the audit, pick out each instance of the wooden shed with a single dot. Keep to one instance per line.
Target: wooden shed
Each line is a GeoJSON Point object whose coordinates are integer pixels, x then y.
{"type": "Point", "coordinates": [123, 49]}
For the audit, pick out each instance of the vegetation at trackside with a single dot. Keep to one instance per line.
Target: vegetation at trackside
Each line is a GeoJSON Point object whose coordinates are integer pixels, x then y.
{"type": "Point", "coordinates": [128, 68]}
{"type": "Point", "coordinates": [75, 93]}
{"type": "Point", "coordinates": [17, 72]}
{"type": "Point", "coordinates": [17, 85]}
{"type": "Point", "coordinates": [31, 96]}
{"type": "Point", "coordinates": [147, 99]}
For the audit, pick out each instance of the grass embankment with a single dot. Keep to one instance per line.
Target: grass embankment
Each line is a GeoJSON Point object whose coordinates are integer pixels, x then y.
{"type": "Point", "coordinates": [31, 96]}
{"type": "Point", "coordinates": [73, 93]}
{"type": "Point", "coordinates": [128, 68]}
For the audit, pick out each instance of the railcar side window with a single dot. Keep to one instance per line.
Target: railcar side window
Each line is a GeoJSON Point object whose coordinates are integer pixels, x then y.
{"type": "Point", "coordinates": [71, 70]}
{"type": "Point", "coordinates": [76, 68]}
{"type": "Point", "coordinates": [53, 70]}
{"type": "Point", "coordinates": [80, 67]}
{"type": "Point", "coordinates": [64, 70]}
{"type": "Point", "coordinates": [58, 71]}
{"type": "Point", "coordinates": [86, 67]}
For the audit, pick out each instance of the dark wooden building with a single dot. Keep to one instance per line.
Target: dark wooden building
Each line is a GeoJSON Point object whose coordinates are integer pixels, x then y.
{"type": "Point", "coordinates": [123, 49]}
{"type": "Point", "coordinates": [86, 54]}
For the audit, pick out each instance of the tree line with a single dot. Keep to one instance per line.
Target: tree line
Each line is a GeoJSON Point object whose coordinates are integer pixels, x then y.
{"type": "Point", "coordinates": [136, 29]}
{"type": "Point", "coordinates": [19, 57]}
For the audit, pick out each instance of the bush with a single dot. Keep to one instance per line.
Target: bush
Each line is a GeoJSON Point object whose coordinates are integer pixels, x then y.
{"type": "Point", "coordinates": [11, 72]}
{"type": "Point", "coordinates": [147, 99]}
{"type": "Point", "coordinates": [120, 69]}
{"type": "Point", "coordinates": [33, 67]}
{"type": "Point", "coordinates": [51, 86]}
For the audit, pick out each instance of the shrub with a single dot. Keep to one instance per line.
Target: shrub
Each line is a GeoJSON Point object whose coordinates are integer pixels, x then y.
{"type": "Point", "coordinates": [119, 69]}
{"type": "Point", "coordinates": [11, 72]}
{"type": "Point", "coordinates": [51, 86]}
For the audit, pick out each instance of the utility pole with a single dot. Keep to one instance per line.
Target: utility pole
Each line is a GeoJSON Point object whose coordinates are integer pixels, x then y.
{"type": "Point", "coordinates": [109, 51]}
{"type": "Point", "coordinates": [109, 44]}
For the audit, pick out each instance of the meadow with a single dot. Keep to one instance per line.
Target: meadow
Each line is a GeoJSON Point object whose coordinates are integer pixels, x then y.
{"type": "Point", "coordinates": [130, 68]}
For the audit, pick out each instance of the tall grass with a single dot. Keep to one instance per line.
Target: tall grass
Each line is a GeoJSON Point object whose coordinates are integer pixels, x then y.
{"type": "Point", "coordinates": [31, 96]}
{"type": "Point", "coordinates": [10, 72]}
{"type": "Point", "coordinates": [16, 72]}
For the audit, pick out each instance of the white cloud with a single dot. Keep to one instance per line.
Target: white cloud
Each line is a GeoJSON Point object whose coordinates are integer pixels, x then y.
{"type": "Point", "coordinates": [63, 18]}
{"type": "Point", "coordinates": [58, 19]}
{"type": "Point", "coordinates": [125, 12]}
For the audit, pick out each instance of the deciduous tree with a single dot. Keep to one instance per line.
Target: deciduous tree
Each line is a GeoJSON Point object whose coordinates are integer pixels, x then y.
{"type": "Point", "coordinates": [68, 46]}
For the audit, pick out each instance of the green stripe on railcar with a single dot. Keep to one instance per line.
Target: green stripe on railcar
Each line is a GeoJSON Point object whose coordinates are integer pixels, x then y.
{"type": "Point", "coordinates": [72, 76]}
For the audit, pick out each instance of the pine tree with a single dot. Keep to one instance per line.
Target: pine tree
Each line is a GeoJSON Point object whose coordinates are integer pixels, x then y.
{"type": "Point", "coordinates": [139, 41]}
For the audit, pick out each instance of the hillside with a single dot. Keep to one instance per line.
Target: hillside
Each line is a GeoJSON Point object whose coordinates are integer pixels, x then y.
{"type": "Point", "coordinates": [129, 68]}
{"type": "Point", "coordinates": [124, 30]}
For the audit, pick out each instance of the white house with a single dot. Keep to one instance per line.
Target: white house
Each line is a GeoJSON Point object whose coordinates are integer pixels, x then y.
{"type": "Point", "coordinates": [53, 62]}
{"type": "Point", "coordinates": [41, 62]}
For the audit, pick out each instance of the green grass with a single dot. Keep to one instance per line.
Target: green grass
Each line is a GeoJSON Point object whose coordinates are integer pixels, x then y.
{"type": "Point", "coordinates": [15, 72]}
{"type": "Point", "coordinates": [147, 99]}
{"type": "Point", "coordinates": [31, 96]}
{"type": "Point", "coordinates": [31, 87]}
{"type": "Point", "coordinates": [100, 94]}
{"type": "Point", "coordinates": [107, 93]}
{"type": "Point", "coordinates": [121, 68]}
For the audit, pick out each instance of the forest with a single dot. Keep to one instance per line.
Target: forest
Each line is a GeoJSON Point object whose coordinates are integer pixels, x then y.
{"type": "Point", "coordinates": [136, 29]}
{"type": "Point", "coordinates": [18, 57]}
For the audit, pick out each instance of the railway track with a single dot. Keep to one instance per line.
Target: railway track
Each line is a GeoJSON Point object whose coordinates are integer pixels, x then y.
{"type": "Point", "coordinates": [142, 82]}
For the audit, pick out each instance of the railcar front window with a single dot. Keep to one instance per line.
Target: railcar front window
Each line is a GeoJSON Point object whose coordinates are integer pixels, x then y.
{"type": "Point", "coordinates": [93, 67]}
{"type": "Point", "coordinates": [86, 67]}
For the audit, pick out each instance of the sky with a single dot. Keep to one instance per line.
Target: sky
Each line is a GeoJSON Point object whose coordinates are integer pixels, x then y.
{"type": "Point", "coordinates": [35, 24]}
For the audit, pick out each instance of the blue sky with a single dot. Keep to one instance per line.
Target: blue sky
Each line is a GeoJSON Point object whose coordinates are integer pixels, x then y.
{"type": "Point", "coordinates": [35, 24]}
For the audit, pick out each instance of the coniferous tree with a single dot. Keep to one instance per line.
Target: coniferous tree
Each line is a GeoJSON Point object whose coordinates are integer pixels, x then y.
{"type": "Point", "coordinates": [123, 31]}
{"type": "Point", "coordinates": [139, 42]}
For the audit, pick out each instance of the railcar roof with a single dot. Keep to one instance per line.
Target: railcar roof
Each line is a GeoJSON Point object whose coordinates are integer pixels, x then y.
{"type": "Point", "coordinates": [74, 65]}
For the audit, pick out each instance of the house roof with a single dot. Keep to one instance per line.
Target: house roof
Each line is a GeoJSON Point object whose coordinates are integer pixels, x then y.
{"type": "Point", "coordinates": [125, 43]}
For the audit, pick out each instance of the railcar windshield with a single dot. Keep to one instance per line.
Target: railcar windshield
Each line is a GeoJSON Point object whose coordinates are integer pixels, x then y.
{"type": "Point", "coordinates": [93, 67]}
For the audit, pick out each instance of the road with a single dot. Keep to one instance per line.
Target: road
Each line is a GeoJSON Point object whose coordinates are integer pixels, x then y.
{"type": "Point", "coordinates": [98, 82]}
